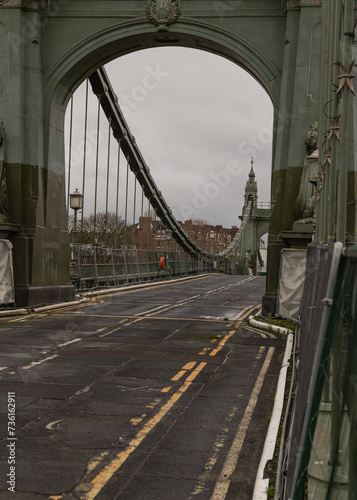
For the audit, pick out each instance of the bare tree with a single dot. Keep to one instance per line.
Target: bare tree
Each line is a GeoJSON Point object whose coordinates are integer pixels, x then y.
{"type": "Point", "coordinates": [102, 230]}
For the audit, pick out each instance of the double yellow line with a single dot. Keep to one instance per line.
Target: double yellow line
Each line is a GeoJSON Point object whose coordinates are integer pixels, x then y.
{"type": "Point", "coordinates": [107, 473]}
{"type": "Point", "coordinates": [239, 320]}
{"type": "Point", "coordinates": [102, 478]}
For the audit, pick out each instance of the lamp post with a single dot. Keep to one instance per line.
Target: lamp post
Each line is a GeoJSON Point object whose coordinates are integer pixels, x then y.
{"type": "Point", "coordinates": [76, 203]}
{"type": "Point", "coordinates": [212, 235]}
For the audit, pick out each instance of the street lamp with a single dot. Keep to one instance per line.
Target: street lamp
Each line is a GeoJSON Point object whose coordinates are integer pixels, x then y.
{"type": "Point", "coordinates": [76, 203]}
{"type": "Point", "coordinates": [212, 235]}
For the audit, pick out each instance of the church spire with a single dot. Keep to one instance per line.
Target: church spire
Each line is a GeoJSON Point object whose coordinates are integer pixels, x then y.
{"type": "Point", "coordinates": [251, 187]}
{"type": "Point", "coordinates": [251, 173]}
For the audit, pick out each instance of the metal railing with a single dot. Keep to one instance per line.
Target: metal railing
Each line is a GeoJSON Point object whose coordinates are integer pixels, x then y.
{"type": "Point", "coordinates": [97, 267]}
{"type": "Point", "coordinates": [266, 205]}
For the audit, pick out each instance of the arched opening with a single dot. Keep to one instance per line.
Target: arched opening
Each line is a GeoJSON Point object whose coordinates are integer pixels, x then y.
{"type": "Point", "coordinates": [75, 62]}
{"type": "Point", "coordinates": [194, 115]}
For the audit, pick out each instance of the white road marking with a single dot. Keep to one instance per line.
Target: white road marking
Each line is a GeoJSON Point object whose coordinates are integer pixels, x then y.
{"type": "Point", "coordinates": [50, 426]}
{"type": "Point", "coordinates": [69, 342]}
{"type": "Point", "coordinates": [231, 461]}
{"type": "Point", "coordinates": [37, 363]}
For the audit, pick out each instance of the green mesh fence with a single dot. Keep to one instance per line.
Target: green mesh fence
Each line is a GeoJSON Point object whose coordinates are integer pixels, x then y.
{"type": "Point", "coordinates": [328, 467]}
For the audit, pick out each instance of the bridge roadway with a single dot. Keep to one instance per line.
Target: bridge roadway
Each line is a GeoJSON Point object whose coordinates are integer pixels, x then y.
{"type": "Point", "coordinates": [160, 393]}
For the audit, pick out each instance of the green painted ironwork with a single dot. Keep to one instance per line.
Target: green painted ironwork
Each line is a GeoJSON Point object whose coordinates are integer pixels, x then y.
{"type": "Point", "coordinates": [54, 50]}
{"type": "Point", "coordinates": [98, 267]}
{"type": "Point", "coordinates": [105, 93]}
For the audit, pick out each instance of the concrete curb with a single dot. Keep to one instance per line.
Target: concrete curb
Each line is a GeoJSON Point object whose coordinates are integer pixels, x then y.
{"type": "Point", "coordinates": [58, 306]}
{"type": "Point", "coordinates": [137, 287]}
{"type": "Point", "coordinates": [261, 485]}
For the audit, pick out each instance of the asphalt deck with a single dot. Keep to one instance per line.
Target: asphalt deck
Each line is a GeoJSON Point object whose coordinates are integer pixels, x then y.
{"type": "Point", "coordinates": [160, 393]}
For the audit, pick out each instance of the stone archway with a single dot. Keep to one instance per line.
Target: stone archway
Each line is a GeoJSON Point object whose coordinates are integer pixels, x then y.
{"type": "Point", "coordinates": [59, 48]}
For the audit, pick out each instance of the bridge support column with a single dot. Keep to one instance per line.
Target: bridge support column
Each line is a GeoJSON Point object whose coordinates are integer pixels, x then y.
{"type": "Point", "coordinates": [298, 109]}
{"type": "Point", "coordinates": [32, 191]}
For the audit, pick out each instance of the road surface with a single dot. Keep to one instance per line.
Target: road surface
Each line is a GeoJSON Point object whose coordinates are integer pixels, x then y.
{"type": "Point", "coordinates": [160, 393]}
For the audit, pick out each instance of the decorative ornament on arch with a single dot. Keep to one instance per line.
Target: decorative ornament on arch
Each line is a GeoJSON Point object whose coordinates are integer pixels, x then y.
{"type": "Point", "coordinates": [346, 77]}
{"type": "Point", "coordinates": [40, 6]}
{"type": "Point", "coordinates": [162, 13]}
{"type": "Point", "coordinates": [327, 159]}
{"type": "Point", "coordinates": [296, 4]}
{"type": "Point", "coordinates": [334, 128]}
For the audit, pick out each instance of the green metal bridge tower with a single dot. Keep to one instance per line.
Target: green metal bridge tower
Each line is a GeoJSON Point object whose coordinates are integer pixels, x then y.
{"type": "Point", "coordinates": [47, 48]}
{"type": "Point", "coordinates": [257, 224]}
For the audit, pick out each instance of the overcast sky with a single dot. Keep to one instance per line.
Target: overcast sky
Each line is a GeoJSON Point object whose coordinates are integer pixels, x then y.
{"type": "Point", "coordinates": [197, 119]}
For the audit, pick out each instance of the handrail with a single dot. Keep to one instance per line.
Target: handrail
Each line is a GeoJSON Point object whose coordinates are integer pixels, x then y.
{"type": "Point", "coordinates": [264, 205]}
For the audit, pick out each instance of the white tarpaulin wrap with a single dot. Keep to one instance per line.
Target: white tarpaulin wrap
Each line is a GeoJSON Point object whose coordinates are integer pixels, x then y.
{"type": "Point", "coordinates": [6, 273]}
{"type": "Point", "coordinates": [291, 282]}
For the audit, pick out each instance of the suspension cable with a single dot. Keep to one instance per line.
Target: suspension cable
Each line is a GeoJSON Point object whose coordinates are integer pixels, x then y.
{"type": "Point", "coordinates": [126, 201]}
{"type": "Point", "coordinates": [109, 102]}
{"type": "Point", "coordinates": [70, 154]}
{"type": "Point", "coordinates": [117, 197]}
{"type": "Point", "coordinates": [134, 211]}
{"type": "Point", "coordinates": [84, 156]}
{"type": "Point", "coordinates": [142, 217]}
{"type": "Point", "coordinates": [107, 192]}
{"type": "Point", "coordinates": [96, 177]}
